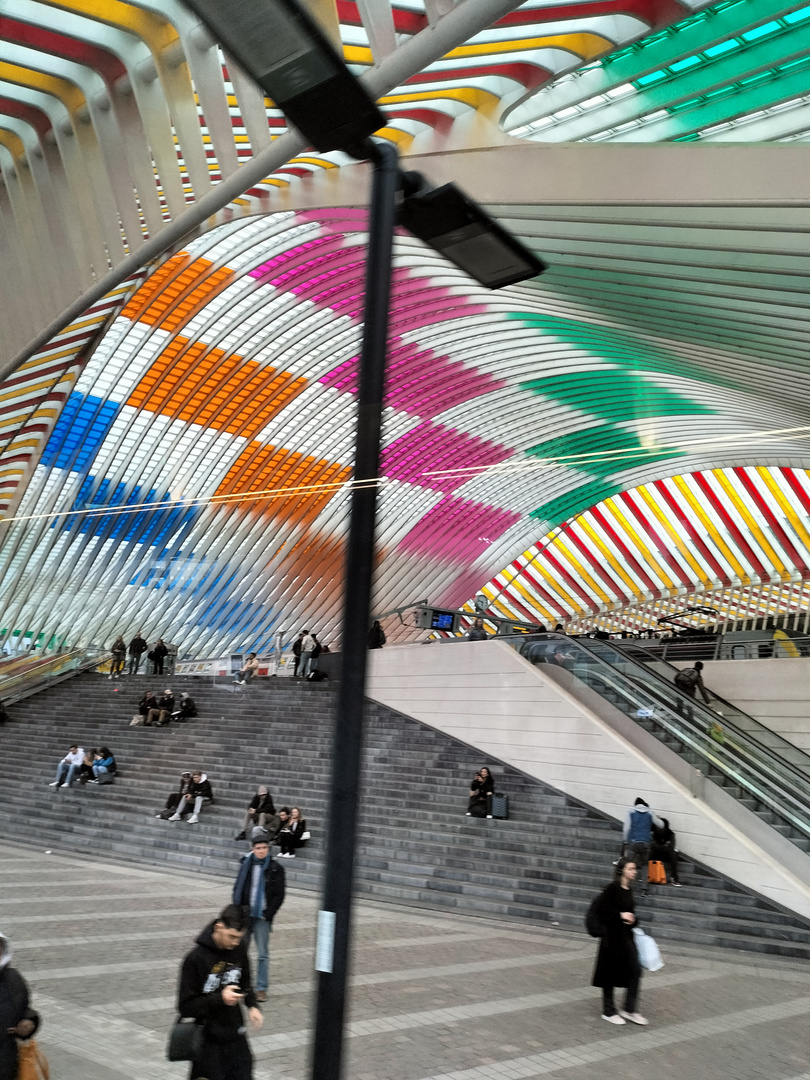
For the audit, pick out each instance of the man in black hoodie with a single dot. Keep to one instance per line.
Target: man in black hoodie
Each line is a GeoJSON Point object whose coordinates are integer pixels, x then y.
{"type": "Point", "coordinates": [214, 982]}
{"type": "Point", "coordinates": [17, 1019]}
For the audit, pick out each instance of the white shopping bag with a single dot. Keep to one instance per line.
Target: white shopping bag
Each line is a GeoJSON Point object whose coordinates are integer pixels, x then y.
{"type": "Point", "coordinates": [649, 955]}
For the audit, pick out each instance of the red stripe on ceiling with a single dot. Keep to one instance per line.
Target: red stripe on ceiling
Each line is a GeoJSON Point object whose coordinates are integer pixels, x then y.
{"type": "Point", "coordinates": [745, 548]}
{"type": "Point", "coordinates": [556, 603]}
{"type": "Point", "coordinates": [657, 13]}
{"type": "Point", "coordinates": [512, 601]}
{"type": "Point", "coordinates": [598, 569]}
{"type": "Point", "coordinates": [721, 574]}
{"type": "Point", "coordinates": [632, 561]}
{"type": "Point", "coordinates": [529, 75]}
{"type": "Point", "coordinates": [797, 487]}
{"type": "Point", "coordinates": [773, 521]}
{"type": "Point", "coordinates": [101, 60]}
{"type": "Point", "coordinates": [570, 580]}
{"type": "Point", "coordinates": [662, 545]}
{"type": "Point", "coordinates": [405, 22]}
{"type": "Point", "coordinates": [441, 121]}
{"type": "Point", "coordinates": [29, 113]}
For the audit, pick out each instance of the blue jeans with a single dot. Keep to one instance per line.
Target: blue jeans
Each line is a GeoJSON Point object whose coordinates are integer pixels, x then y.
{"type": "Point", "coordinates": [66, 773]}
{"type": "Point", "coordinates": [260, 932]}
{"type": "Point", "coordinates": [102, 774]}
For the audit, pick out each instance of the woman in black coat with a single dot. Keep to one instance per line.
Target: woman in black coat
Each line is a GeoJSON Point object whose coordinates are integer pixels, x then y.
{"type": "Point", "coordinates": [292, 834]}
{"type": "Point", "coordinates": [481, 789]}
{"type": "Point", "coordinates": [17, 1019]}
{"type": "Point", "coordinates": [663, 850]}
{"type": "Point", "coordinates": [617, 961]}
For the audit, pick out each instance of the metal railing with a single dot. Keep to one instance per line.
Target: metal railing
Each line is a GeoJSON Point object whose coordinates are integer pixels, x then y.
{"type": "Point", "coordinates": [780, 786]}
{"type": "Point", "coordinates": [740, 645]}
{"type": "Point", "coordinates": [22, 676]}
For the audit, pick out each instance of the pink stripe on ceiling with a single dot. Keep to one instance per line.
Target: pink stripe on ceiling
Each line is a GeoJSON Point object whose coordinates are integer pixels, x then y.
{"type": "Point", "coordinates": [418, 455]}
{"type": "Point", "coordinates": [328, 271]}
{"type": "Point", "coordinates": [461, 588]}
{"type": "Point", "coordinates": [419, 381]}
{"type": "Point", "coordinates": [457, 531]}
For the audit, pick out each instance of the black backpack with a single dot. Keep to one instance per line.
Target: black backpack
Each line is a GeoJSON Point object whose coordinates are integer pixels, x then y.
{"type": "Point", "coordinates": [592, 922]}
{"type": "Point", "coordinates": [687, 679]}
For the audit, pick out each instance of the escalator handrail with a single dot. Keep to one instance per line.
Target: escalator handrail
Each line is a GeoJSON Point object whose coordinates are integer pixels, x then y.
{"type": "Point", "coordinates": [728, 722]}
{"type": "Point", "coordinates": [730, 767]}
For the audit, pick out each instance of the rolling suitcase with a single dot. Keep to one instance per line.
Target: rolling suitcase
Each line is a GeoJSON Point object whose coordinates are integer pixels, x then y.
{"type": "Point", "coordinates": [500, 806]}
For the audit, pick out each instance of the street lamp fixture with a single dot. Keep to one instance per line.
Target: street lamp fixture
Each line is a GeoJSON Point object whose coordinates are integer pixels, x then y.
{"type": "Point", "coordinates": [285, 51]}
{"type": "Point", "coordinates": [288, 55]}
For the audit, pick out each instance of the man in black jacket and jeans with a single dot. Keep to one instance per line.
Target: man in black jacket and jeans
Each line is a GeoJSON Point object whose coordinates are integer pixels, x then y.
{"type": "Point", "coordinates": [259, 889]}
{"type": "Point", "coordinates": [214, 983]}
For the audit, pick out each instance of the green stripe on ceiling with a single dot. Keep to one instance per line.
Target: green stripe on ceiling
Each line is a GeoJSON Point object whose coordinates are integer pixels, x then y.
{"type": "Point", "coordinates": [602, 451]}
{"type": "Point", "coordinates": [619, 347]}
{"type": "Point", "coordinates": [614, 395]}
{"type": "Point", "coordinates": [574, 502]}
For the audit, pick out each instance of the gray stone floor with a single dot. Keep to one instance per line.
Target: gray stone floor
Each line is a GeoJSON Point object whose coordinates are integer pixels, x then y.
{"type": "Point", "coordinates": [434, 997]}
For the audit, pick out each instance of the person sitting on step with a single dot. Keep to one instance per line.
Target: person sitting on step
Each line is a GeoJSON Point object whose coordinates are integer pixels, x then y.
{"type": "Point", "coordinates": [249, 670]}
{"type": "Point", "coordinates": [481, 789]}
{"type": "Point", "coordinates": [162, 713]}
{"type": "Point", "coordinates": [261, 813]}
{"type": "Point", "coordinates": [173, 800]}
{"type": "Point", "coordinates": [145, 706]}
{"type": "Point", "coordinates": [663, 850]}
{"type": "Point", "coordinates": [103, 766]}
{"type": "Point", "coordinates": [292, 835]}
{"type": "Point", "coordinates": [199, 793]}
{"type": "Point", "coordinates": [186, 710]}
{"type": "Point", "coordinates": [68, 767]}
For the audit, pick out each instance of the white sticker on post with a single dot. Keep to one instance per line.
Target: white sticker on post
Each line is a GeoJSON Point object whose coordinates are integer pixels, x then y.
{"type": "Point", "coordinates": [325, 942]}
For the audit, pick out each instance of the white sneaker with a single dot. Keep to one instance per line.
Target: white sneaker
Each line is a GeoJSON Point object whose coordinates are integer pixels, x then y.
{"type": "Point", "coordinates": [615, 1019]}
{"type": "Point", "coordinates": [193, 820]}
{"type": "Point", "coordinates": [174, 817]}
{"type": "Point", "coordinates": [55, 783]}
{"type": "Point", "coordinates": [489, 816]}
{"type": "Point", "coordinates": [634, 1018]}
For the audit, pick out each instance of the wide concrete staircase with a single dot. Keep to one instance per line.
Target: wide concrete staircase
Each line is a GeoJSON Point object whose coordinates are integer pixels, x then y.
{"type": "Point", "coordinates": [416, 846]}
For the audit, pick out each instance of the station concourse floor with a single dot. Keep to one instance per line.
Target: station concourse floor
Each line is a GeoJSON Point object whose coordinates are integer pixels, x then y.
{"type": "Point", "coordinates": [434, 996]}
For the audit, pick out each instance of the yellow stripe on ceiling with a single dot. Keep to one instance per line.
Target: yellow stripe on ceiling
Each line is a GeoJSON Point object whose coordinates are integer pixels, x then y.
{"type": "Point", "coordinates": [637, 542]}
{"type": "Point", "coordinates": [322, 162]}
{"type": "Point", "coordinates": [158, 33]}
{"type": "Point", "coordinates": [403, 139]}
{"type": "Point", "coordinates": [546, 576]}
{"type": "Point", "coordinates": [701, 575]}
{"type": "Point", "coordinates": [67, 92]}
{"type": "Point", "coordinates": [749, 520]}
{"type": "Point", "coordinates": [531, 600]}
{"type": "Point", "coordinates": [617, 569]}
{"type": "Point", "coordinates": [476, 99]}
{"type": "Point", "coordinates": [586, 45]}
{"type": "Point", "coordinates": [358, 54]}
{"type": "Point", "coordinates": [13, 142]}
{"type": "Point", "coordinates": [559, 547]}
{"type": "Point", "coordinates": [711, 528]}
{"type": "Point", "coordinates": [789, 512]}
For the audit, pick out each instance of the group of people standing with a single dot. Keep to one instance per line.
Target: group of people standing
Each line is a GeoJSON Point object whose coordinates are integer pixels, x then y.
{"type": "Point", "coordinates": [156, 655]}
{"type": "Point", "coordinates": [306, 650]}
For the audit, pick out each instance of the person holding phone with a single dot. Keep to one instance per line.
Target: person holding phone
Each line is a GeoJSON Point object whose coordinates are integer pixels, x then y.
{"type": "Point", "coordinates": [214, 983]}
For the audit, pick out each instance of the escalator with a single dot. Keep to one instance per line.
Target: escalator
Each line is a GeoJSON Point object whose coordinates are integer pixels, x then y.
{"type": "Point", "coordinates": [761, 770]}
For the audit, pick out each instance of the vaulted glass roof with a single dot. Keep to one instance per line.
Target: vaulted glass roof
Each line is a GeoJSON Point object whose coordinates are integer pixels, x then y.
{"type": "Point", "coordinates": [631, 427]}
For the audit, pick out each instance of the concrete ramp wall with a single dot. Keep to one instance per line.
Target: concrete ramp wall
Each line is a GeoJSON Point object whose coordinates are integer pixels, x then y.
{"type": "Point", "coordinates": [776, 692]}
{"type": "Point", "coordinates": [487, 695]}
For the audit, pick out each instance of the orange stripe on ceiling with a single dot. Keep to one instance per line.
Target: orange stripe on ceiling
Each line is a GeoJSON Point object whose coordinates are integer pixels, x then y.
{"type": "Point", "coordinates": [166, 307]}
{"type": "Point", "coordinates": [281, 472]}
{"type": "Point", "coordinates": [217, 390]}
{"type": "Point", "coordinates": [140, 301]}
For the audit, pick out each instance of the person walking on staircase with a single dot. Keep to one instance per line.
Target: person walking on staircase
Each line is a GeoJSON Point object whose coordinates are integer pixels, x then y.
{"type": "Point", "coordinates": [296, 651]}
{"type": "Point", "coordinates": [259, 889]}
{"type": "Point", "coordinates": [638, 827]}
{"type": "Point", "coordinates": [689, 681]}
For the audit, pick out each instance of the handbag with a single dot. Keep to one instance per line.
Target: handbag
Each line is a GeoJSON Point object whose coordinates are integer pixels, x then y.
{"type": "Point", "coordinates": [656, 874]}
{"type": "Point", "coordinates": [649, 955]}
{"type": "Point", "coordinates": [31, 1062]}
{"type": "Point", "coordinates": [185, 1041]}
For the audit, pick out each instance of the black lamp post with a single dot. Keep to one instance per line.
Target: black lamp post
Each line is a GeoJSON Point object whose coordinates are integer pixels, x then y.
{"type": "Point", "coordinates": [285, 51]}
